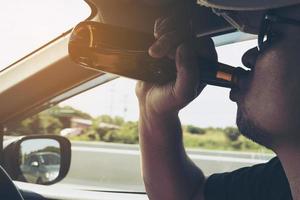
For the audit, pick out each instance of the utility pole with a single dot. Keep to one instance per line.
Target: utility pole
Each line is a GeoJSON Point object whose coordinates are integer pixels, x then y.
{"type": "Point", "coordinates": [125, 109]}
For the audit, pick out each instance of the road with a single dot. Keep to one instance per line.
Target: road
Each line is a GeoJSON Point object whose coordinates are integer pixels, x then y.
{"type": "Point", "coordinates": [106, 166]}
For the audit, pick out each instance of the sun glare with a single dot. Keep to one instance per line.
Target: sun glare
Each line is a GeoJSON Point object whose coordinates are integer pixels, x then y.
{"type": "Point", "coordinates": [27, 25]}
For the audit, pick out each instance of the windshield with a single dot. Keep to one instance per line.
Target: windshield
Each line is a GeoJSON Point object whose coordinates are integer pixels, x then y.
{"type": "Point", "coordinates": [28, 25]}
{"type": "Point", "coordinates": [102, 124]}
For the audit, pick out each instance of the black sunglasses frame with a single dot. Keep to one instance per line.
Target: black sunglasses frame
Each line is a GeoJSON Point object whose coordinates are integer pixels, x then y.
{"type": "Point", "coordinates": [265, 33]}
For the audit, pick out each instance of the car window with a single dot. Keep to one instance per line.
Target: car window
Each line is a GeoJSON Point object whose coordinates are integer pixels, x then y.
{"type": "Point", "coordinates": [33, 158]}
{"type": "Point", "coordinates": [102, 124]}
{"type": "Point", "coordinates": [50, 159]}
{"type": "Point", "coordinates": [27, 25]}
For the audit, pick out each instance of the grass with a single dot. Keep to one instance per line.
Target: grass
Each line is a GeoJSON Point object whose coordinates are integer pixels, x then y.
{"type": "Point", "coordinates": [216, 140]}
{"type": "Point", "coordinates": [213, 139]}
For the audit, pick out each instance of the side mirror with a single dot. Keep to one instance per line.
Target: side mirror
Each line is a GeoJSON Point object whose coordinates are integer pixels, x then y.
{"type": "Point", "coordinates": [41, 159]}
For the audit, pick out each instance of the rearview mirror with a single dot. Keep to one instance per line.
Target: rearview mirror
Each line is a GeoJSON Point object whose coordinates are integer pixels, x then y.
{"type": "Point", "coordinates": [38, 159]}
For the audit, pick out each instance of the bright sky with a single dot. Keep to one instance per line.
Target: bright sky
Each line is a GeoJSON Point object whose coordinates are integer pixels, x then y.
{"type": "Point", "coordinates": [27, 25]}
{"type": "Point", "coordinates": [37, 144]}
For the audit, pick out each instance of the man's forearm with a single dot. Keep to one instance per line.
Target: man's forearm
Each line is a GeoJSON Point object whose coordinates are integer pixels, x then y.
{"type": "Point", "coordinates": [167, 171]}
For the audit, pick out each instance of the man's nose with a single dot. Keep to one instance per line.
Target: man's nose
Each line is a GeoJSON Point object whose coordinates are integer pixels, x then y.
{"type": "Point", "coordinates": [249, 58]}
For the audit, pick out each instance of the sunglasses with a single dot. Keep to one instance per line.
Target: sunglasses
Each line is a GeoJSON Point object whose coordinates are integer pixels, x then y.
{"type": "Point", "coordinates": [266, 35]}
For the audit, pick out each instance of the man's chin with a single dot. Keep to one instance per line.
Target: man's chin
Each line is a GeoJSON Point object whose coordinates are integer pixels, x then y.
{"type": "Point", "coordinates": [250, 130]}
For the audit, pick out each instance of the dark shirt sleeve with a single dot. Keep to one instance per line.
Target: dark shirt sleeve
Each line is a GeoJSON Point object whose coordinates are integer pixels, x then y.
{"type": "Point", "coordinates": [260, 182]}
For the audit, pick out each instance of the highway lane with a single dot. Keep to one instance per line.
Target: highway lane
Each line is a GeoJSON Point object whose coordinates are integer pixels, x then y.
{"type": "Point", "coordinates": [106, 165]}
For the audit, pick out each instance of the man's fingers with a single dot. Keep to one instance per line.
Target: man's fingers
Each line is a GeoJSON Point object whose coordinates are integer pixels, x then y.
{"type": "Point", "coordinates": [157, 24]}
{"type": "Point", "coordinates": [170, 31]}
{"type": "Point", "coordinates": [187, 86]}
{"type": "Point", "coordinates": [205, 47]}
{"type": "Point", "coordinates": [165, 43]}
{"type": "Point", "coordinates": [164, 25]}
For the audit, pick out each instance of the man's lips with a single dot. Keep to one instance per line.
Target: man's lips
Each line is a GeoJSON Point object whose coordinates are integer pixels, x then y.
{"type": "Point", "coordinates": [242, 85]}
{"type": "Point", "coordinates": [233, 95]}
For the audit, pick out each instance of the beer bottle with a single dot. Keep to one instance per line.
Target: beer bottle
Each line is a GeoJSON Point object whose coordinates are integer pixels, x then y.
{"type": "Point", "coordinates": [124, 52]}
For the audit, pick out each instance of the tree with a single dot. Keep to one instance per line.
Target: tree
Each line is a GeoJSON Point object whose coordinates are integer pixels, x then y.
{"type": "Point", "coordinates": [67, 111]}
{"type": "Point", "coordinates": [232, 133]}
{"type": "Point", "coordinates": [41, 123]}
{"type": "Point", "coordinates": [95, 128]}
{"type": "Point", "coordinates": [50, 121]}
{"type": "Point", "coordinates": [118, 121]}
{"type": "Point", "coordinates": [106, 119]}
{"type": "Point", "coordinates": [128, 134]}
{"type": "Point", "coordinates": [195, 130]}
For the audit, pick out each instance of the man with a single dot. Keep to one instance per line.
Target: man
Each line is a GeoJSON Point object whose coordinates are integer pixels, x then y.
{"type": "Point", "coordinates": [268, 110]}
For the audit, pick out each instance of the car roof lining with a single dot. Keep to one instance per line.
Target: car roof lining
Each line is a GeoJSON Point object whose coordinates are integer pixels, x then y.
{"type": "Point", "coordinates": [137, 15]}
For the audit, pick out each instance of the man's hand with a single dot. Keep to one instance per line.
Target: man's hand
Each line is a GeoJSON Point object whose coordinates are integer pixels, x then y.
{"type": "Point", "coordinates": [175, 40]}
{"type": "Point", "coordinates": [172, 30]}
{"type": "Point", "coordinates": [174, 95]}
{"type": "Point", "coordinates": [167, 171]}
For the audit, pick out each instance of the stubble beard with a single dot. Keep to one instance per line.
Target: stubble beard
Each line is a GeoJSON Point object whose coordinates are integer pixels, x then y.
{"type": "Point", "coordinates": [251, 130]}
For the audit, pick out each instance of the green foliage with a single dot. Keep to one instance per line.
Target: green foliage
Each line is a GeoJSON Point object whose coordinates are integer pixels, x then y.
{"type": "Point", "coordinates": [216, 139]}
{"type": "Point", "coordinates": [59, 112]}
{"type": "Point", "coordinates": [117, 120]}
{"type": "Point", "coordinates": [102, 131]}
{"type": "Point", "coordinates": [232, 133]}
{"type": "Point", "coordinates": [114, 129]}
{"type": "Point", "coordinates": [85, 137]}
{"type": "Point", "coordinates": [128, 134]}
{"type": "Point", "coordinates": [39, 124]}
{"type": "Point", "coordinates": [105, 118]}
{"type": "Point", "coordinates": [211, 140]}
{"type": "Point", "coordinates": [195, 130]}
{"type": "Point", "coordinates": [50, 121]}
{"type": "Point", "coordinates": [49, 149]}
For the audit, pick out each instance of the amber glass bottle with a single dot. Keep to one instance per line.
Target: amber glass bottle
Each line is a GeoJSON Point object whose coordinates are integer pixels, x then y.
{"type": "Point", "coordinates": [125, 52]}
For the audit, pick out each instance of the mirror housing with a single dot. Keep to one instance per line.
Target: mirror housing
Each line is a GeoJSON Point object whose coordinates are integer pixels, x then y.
{"type": "Point", "coordinates": [14, 160]}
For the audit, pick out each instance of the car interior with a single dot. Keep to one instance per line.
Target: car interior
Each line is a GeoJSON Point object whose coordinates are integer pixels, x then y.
{"type": "Point", "coordinates": [51, 74]}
